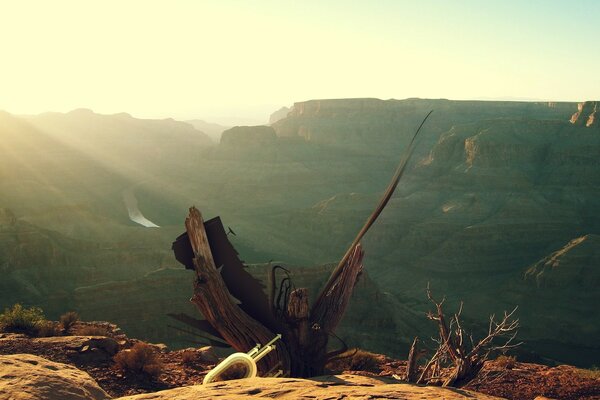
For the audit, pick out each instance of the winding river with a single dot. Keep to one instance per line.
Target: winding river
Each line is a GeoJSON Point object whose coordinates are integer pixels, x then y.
{"type": "Point", "coordinates": [134, 212]}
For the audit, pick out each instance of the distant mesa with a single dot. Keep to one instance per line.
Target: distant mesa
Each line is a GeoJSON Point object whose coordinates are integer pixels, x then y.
{"type": "Point", "coordinates": [248, 135]}
{"type": "Point", "coordinates": [213, 130]}
{"type": "Point", "coordinates": [315, 107]}
{"type": "Point", "coordinates": [279, 115]}
{"type": "Point", "coordinates": [587, 114]}
{"type": "Point", "coordinates": [81, 111]}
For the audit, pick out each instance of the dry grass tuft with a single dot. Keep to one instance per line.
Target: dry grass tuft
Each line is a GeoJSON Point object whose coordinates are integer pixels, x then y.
{"type": "Point", "coordinates": [506, 362]}
{"type": "Point", "coordinates": [356, 360]}
{"type": "Point", "coordinates": [68, 320]}
{"type": "Point", "coordinates": [48, 329]}
{"type": "Point", "coordinates": [190, 357]}
{"type": "Point", "coordinates": [141, 358]}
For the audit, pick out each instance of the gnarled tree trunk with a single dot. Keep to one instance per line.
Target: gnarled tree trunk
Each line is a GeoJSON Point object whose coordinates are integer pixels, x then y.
{"type": "Point", "coordinates": [302, 352]}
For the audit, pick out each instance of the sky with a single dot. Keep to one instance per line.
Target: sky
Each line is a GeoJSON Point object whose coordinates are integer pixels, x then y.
{"type": "Point", "coordinates": [244, 59]}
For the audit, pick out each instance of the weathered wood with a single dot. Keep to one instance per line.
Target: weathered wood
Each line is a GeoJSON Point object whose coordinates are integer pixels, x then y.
{"type": "Point", "coordinates": [214, 301]}
{"type": "Point", "coordinates": [411, 365]}
{"type": "Point", "coordinates": [333, 301]}
{"type": "Point", "coordinates": [380, 207]}
{"type": "Point", "coordinates": [329, 309]}
{"type": "Point", "coordinates": [303, 350]}
{"type": "Point", "coordinates": [298, 336]}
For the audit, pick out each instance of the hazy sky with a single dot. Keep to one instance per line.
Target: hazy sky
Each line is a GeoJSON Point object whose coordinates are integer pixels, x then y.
{"type": "Point", "coordinates": [206, 59]}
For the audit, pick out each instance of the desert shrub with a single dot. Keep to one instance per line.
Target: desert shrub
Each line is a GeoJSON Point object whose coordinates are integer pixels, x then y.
{"type": "Point", "coordinates": [364, 361]}
{"type": "Point", "coordinates": [141, 358]}
{"type": "Point", "coordinates": [189, 357]}
{"type": "Point", "coordinates": [506, 362]}
{"type": "Point", "coordinates": [356, 360]}
{"type": "Point", "coordinates": [47, 329]}
{"type": "Point", "coordinates": [67, 320]}
{"type": "Point", "coordinates": [93, 331]}
{"type": "Point", "coordinates": [22, 319]}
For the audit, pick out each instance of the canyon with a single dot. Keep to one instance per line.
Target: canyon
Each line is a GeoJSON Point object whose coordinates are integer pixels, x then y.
{"type": "Point", "coordinates": [498, 209]}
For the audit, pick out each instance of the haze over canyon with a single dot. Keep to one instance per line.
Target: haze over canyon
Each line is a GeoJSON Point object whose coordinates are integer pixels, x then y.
{"type": "Point", "coordinates": [498, 208]}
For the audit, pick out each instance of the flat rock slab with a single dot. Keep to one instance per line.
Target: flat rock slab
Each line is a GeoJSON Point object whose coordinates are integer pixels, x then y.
{"type": "Point", "coordinates": [107, 344]}
{"type": "Point", "coordinates": [327, 387]}
{"type": "Point", "coordinates": [29, 377]}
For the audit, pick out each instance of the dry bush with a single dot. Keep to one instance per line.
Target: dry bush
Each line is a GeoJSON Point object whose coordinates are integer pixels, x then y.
{"type": "Point", "coordinates": [356, 360]}
{"type": "Point", "coordinates": [67, 320]}
{"type": "Point", "coordinates": [459, 358]}
{"type": "Point", "coordinates": [93, 331]}
{"type": "Point", "coordinates": [189, 357]}
{"type": "Point", "coordinates": [141, 358]}
{"type": "Point", "coordinates": [48, 329]}
{"type": "Point", "coordinates": [506, 362]}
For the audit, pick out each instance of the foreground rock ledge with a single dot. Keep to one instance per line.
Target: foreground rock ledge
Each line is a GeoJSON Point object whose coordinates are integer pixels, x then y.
{"type": "Point", "coordinates": [327, 387]}
{"type": "Point", "coordinates": [29, 377]}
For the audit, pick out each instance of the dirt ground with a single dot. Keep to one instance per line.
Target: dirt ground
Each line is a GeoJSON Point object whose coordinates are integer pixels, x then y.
{"type": "Point", "coordinates": [514, 380]}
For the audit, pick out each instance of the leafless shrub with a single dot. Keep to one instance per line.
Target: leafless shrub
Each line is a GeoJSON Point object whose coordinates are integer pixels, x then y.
{"type": "Point", "coordinates": [68, 320]}
{"type": "Point", "coordinates": [458, 357]}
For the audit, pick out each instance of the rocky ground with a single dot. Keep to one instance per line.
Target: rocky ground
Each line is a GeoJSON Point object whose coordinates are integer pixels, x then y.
{"type": "Point", "coordinates": [362, 376]}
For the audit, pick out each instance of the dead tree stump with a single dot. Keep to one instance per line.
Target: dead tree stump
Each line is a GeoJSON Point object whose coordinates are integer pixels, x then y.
{"type": "Point", "coordinates": [302, 352]}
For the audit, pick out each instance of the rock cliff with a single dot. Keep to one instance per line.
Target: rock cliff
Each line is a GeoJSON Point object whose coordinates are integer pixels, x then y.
{"type": "Point", "coordinates": [278, 115]}
{"type": "Point", "coordinates": [248, 136]}
{"type": "Point", "coordinates": [587, 114]}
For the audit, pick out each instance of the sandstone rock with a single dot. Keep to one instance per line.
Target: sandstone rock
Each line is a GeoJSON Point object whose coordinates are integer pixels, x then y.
{"type": "Point", "coordinates": [25, 376]}
{"type": "Point", "coordinates": [328, 387]}
{"type": "Point", "coordinates": [88, 349]}
{"type": "Point", "coordinates": [106, 344]}
{"type": "Point", "coordinates": [207, 354]}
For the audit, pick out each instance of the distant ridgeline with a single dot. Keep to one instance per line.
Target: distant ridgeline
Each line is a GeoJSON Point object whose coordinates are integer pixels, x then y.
{"type": "Point", "coordinates": [499, 208]}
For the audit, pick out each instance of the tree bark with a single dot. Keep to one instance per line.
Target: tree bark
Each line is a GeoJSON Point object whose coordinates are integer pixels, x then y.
{"type": "Point", "coordinates": [213, 300]}
{"type": "Point", "coordinates": [411, 366]}
{"type": "Point", "coordinates": [302, 352]}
